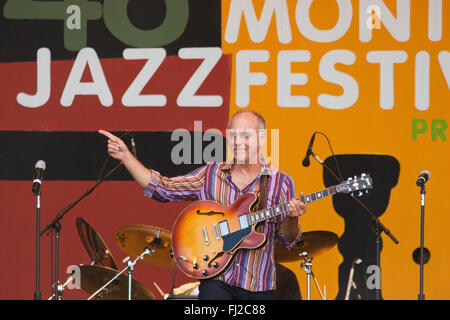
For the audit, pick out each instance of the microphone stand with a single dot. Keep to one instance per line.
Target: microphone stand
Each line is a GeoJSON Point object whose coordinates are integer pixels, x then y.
{"type": "Point", "coordinates": [37, 293]}
{"type": "Point", "coordinates": [379, 227]}
{"type": "Point", "coordinates": [422, 222]}
{"type": "Point", "coordinates": [56, 225]}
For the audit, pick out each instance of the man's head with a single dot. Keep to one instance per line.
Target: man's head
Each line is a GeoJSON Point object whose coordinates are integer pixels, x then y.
{"type": "Point", "coordinates": [246, 135]}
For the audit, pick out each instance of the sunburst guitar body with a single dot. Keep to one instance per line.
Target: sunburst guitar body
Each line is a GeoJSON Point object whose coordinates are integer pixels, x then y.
{"type": "Point", "coordinates": [206, 236]}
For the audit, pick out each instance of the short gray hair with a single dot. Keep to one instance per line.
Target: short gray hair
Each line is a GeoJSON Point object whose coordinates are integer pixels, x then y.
{"type": "Point", "coordinates": [261, 121]}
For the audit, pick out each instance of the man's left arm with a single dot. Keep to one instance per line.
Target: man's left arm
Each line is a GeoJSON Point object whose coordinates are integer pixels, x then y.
{"type": "Point", "coordinates": [290, 228]}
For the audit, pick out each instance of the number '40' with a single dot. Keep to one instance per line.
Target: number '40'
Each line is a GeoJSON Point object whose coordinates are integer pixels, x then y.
{"type": "Point", "coordinates": [76, 14]}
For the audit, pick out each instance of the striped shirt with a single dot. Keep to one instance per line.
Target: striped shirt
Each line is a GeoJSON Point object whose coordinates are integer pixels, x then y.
{"type": "Point", "coordinates": [252, 270]}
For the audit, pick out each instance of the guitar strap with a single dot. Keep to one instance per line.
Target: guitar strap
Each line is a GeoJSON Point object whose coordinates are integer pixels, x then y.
{"type": "Point", "coordinates": [263, 186]}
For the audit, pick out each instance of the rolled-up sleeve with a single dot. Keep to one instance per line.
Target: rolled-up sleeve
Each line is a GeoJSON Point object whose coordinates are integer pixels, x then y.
{"type": "Point", "coordinates": [287, 193]}
{"type": "Point", "coordinates": [181, 188]}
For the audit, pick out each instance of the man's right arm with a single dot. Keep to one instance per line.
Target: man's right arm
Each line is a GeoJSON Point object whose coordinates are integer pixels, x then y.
{"type": "Point", "coordinates": [155, 185]}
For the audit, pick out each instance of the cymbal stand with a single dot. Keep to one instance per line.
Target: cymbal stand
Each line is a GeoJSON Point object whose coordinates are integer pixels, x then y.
{"type": "Point", "coordinates": [307, 266]}
{"type": "Point", "coordinates": [130, 268]}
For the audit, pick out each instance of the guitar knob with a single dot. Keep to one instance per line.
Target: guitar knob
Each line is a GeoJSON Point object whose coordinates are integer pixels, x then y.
{"type": "Point", "coordinates": [205, 272]}
{"type": "Point", "coordinates": [206, 258]}
{"type": "Point", "coordinates": [195, 266]}
{"type": "Point", "coordinates": [215, 264]}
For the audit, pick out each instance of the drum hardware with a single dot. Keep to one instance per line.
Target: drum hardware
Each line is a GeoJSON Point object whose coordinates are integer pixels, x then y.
{"type": "Point", "coordinates": [96, 248]}
{"type": "Point", "coordinates": [310, 245]}
{"type": "Point", "coordinates": [156, 243]}
{"type": "Point", "coordinates": [129, 268]}
{"type": "Point", "coordinates": [117, 288]}
{"type": "Point", "coordinates": [351, 284]}
{"type": "Point", "coordinates": [307, 266]}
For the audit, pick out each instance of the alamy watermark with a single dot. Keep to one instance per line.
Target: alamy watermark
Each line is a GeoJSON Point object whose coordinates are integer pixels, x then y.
{"type": "Point", "coordinates": [374, 278]}
{"type": "Point", "coordinates": [244, 146]}
{"type": "Point", "coordinates": [374, 19]}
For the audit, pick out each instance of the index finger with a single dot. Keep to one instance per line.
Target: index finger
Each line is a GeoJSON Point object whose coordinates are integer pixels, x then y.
{"type": "Point", "coordinates": [107, 134]}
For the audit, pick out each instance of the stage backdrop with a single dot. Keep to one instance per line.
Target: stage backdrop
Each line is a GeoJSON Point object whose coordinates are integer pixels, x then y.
{"type": "Point", "coordinates": [373, 76]}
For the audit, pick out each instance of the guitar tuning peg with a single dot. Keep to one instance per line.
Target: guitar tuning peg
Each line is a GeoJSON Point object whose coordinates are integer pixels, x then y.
{"type": "Point", "coordinates": [349, 179]}
{"type": "Point", "coordinates": [351, 194]}
{"type": "Point", "coordinates": [360, 193]}
{"type": "Point", "coordinates": [363, 175]}
{"type": "Point", "coordinates": [367, 191]}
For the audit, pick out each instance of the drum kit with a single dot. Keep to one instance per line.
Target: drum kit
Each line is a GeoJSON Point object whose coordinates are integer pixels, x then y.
{"type": "Point", "coordinates": [103, 280]}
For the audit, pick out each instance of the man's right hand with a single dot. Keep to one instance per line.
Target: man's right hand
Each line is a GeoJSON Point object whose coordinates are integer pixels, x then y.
{"type": "Point", "coordinates": [116, 147]}
{"type": "Point", "coordinates": [119, 150]}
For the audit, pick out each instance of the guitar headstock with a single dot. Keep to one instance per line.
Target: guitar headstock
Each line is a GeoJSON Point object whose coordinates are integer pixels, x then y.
{"type": "Point", "coordinates": [363, 182]}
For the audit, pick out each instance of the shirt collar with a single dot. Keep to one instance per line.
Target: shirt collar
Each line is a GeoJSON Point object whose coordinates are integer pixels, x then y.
{"type": "Point", "coordinates": [265, 170]}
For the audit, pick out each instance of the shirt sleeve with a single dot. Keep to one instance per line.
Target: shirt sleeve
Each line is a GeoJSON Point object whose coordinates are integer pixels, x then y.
{"type": "Point", "coordinates": [181, 188]}
{"type": "Point", "coordinates": [287, 193]}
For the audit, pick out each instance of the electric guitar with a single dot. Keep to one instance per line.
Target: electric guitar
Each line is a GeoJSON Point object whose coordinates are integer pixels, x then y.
{"type": "Point", "coordinates": [207, 235]}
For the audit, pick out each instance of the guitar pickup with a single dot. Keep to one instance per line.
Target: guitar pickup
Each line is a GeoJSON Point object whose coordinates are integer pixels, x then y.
{"type": "Point", "coordinates": [223, 227]}
{"type": "Point", "coordinates": [216, 231]}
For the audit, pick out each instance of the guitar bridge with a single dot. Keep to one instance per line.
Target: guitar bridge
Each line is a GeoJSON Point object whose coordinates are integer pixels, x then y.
{"type": "Point", "coordinates": [205, 235]}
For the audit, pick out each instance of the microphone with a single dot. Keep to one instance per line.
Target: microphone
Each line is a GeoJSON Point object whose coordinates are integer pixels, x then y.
{"type": "Point", "coordinates": [423, 178]}
{"type": "Point", "coordinates": [133, 147]}
{"type": "Point", "coordinates": [38, 176]}
{"type": "Point", "coordinates": [350, 283]}
{"type": "Point", "coordinates": [306, 161]}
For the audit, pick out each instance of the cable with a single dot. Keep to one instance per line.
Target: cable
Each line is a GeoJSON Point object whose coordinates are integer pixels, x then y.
{"type": "Point", "coordinates": [333, 155]}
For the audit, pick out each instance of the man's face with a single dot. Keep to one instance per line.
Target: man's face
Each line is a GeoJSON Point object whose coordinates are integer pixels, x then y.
{"type": "Point", "coordinates": [244, 138]}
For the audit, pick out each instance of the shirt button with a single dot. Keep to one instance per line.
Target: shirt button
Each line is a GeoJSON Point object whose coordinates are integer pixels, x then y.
{"type": "Point", "coordinates": [237, 264]}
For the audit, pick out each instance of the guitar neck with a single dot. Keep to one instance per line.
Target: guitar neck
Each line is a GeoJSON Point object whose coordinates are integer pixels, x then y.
{"type": "Point", "coordinates": [261, 215]}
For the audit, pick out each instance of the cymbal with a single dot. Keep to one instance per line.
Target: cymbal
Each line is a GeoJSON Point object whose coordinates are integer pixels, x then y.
{"type": "Point", "coordinates": [94, 245]}
{"type": "Point", "coordinates": [136, 238]}
{"type": "Point", "coordinates": [314, 243]}
{"type": "Point", "coordinates": [94, 277]}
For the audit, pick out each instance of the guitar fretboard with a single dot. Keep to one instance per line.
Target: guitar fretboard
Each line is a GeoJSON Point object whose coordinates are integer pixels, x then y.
{"type": "Point", "coordinates": [261, 215]}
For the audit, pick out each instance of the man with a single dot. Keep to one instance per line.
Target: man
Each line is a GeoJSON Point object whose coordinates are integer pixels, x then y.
{"type": "Point", "coordinates": [252, 274]}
